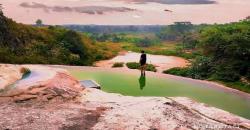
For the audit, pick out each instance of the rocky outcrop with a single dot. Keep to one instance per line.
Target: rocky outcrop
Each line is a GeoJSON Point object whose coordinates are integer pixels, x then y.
{"type": "Point", "coordinates": [213, 113]}
{"type": "Point", "coordinates": [160, 113]}
{"type": "Point", "coordinates": [9, 74]}
{"type": "Point", "coordinates": [43, 83]}
{"type": "Point", "coordinates": [90, 108]}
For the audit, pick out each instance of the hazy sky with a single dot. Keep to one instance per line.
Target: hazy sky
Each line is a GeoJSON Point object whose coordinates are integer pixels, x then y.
{"type": "Point", "coordinates": [120, 12]}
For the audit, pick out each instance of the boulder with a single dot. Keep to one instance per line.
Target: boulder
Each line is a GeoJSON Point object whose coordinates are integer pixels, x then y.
{"type": "Point", "coordinates": [44, 83]}
{"type": "Point", "coordinates": [9, 74]}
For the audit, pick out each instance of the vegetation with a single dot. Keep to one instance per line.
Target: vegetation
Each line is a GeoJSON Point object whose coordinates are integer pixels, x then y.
{"type": "Point", "coordinates": [183, 44]}
{"type": "Point", "coordinates": [111, 29]}
{"type": "Point", "coordinates": [135, 65]}
{"type": "Point", "coordinates": [176, 31]}
{"type": "Point", "coordinates": [163, 48]}
{"type": "Point", "coordinates": [217, 52]}
{"type": "Point", "coordinates": [39, 22]}
{"type": "Point", "coordinates": [47, 45]}
{"type": "Point", "coordinates": [227, 47]}
{"type": "Point", "coordinates": [178, 71]}
{"type": "Point", "coordinates": [118, 64]}
{"type": "Point", "coordinates": [225, 56]}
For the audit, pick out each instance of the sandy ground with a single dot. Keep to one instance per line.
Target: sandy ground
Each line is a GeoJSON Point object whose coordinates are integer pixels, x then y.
{"type": "Point", "coordinates": [161, 62]}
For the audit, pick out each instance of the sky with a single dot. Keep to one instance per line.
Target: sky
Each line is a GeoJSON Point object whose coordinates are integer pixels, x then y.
{"type": "Point", "coordinates": [126, 12]}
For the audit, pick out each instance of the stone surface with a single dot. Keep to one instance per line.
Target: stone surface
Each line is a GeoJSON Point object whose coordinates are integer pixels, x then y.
{"type": "Point", "coordinates": [94, 109]}
{"type": "Point", "coordinates": [44, 83]}
{"type": "Point", "coordinates": [213, 113]}
{"type": "Point", "coordinates": [9, 74]}
{"type": "Point", "coordinates": [160, 113]}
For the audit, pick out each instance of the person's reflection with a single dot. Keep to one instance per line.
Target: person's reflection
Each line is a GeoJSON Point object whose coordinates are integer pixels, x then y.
{"type": "Point", "coordinates": [142, 81]}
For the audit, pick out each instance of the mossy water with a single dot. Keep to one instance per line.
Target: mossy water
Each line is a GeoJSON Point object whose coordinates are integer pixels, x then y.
{"type": "Point", "coordinates": [134, 85]}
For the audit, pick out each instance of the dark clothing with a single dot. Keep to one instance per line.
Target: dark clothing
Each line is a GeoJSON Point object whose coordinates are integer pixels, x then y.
{"type": "Point", "coordinates": [143, 59]}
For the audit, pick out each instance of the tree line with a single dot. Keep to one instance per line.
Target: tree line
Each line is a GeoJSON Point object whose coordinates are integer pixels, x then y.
{"type": "Point", "coordinates": [21, 43]}
{"type": "Point", "coordinates": [225, 54]}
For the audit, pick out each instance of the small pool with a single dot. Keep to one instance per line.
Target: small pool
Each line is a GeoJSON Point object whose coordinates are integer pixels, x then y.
{"type": "Point", "coordinates": [135, 85]}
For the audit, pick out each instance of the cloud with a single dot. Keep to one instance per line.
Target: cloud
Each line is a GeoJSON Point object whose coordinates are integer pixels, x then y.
{"type": "Point", "coordinates": [173, 1]}
{"type": "Point", "coordinates": [81, 9]}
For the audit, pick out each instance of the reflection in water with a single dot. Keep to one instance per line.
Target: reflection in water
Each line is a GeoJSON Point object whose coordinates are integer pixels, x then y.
{"type": "Point", "coordinates": [142, 81]}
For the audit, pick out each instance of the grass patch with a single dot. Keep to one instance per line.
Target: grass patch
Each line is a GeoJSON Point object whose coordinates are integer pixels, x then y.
{"type": "Point", "coordinates": [178, 71]}
{"type": "Point", "coordinates": [118, 64]}
{"type": "Point", "coordinates": [135, 65]}
{"type": "Point", "coordinates": [164, 48]}
{"type": "Point", "coordinates": [236, 85]}
{"type": "Point", "coordinates": [185, 72]}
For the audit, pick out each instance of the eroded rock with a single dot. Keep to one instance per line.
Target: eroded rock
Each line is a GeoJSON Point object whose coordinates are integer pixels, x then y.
{"type": "Point", "coordinates": [9, 74]}
{"type": "Point", "coordinates": [43, 83]}
{"type": "Point", "coordinates": [160, 113]}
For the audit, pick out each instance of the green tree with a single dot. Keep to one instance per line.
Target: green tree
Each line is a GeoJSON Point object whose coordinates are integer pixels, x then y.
{"type": "Point", "coordinates": [175, 31]}
{"type": "Point", "coordinates": [21, 43]}
{"type": "Point", "coordinates": [228, 46]}
{"type": "Point", "coordinates": [190, 40]}
{"type": "Point", "coordinates": [39, 22]}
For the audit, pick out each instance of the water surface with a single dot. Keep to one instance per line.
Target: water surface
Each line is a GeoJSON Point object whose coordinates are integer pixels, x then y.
{"type": "Point", "coordinates": [151, 85]}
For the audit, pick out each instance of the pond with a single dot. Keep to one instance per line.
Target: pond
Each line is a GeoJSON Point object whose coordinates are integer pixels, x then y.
{"type": "Point", "coordinates": [153, 84]}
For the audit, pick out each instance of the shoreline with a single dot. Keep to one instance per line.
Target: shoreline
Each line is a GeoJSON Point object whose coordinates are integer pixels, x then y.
{"type": "Point", "coordinates": [211, 84]}
{"type": "Point", "coordinates": [60, 102]}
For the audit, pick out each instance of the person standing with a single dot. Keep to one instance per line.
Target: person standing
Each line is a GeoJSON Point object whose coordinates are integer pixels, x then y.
{"type": "Point", "coordinates": [143, 61]}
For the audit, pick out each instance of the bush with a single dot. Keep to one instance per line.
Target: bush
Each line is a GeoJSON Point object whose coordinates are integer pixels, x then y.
{"type": "Point", "coordinates": [151, 67]}
{"type": "Point", "coordinates": [135, 65]}
{"type": "Point", "coordinates": [178, 71]}
{"type": "Point", "coordinates": [118, 64]}
{"type": "Point", "coordinates": [226, 73]}
{"type": "Point", "coordinates": [201, 68]}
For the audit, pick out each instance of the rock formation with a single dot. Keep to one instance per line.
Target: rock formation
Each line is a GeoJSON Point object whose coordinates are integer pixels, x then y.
{"type": "Point", "coordinates": [9, 74]}
{"type": "Point", "coordinates": [161, 113]}
{"type": "Point", "coordinates": [43, 83]}
{"type": "Point", "coordinates": [88, 108]}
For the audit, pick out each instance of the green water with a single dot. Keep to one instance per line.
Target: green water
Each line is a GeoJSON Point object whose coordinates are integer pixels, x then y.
{"type": "Point", "coordinates": [134, 85]}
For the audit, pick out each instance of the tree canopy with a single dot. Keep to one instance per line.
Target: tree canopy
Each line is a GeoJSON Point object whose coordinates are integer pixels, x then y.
{"type": "Point", "coordinates": [39, 22]}
{"type": "Point", "coordinates": [46, 45]}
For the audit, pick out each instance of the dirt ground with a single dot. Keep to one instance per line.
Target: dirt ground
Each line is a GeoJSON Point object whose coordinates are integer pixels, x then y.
{"type": "Point", "coordinates": [161, 62]}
